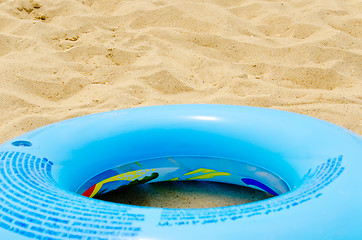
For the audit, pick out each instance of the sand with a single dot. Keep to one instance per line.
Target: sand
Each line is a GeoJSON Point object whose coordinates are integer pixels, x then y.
{"type": "Point", "coordinates": [63, 59]}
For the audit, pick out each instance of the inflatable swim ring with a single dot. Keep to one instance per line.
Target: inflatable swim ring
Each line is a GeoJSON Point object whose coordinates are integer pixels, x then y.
{"type": "Point", "coordinates": [314, 168]}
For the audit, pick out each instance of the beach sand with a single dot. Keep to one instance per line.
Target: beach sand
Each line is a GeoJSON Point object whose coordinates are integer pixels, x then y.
{"type": "Point", "coordinates": [69, 58]}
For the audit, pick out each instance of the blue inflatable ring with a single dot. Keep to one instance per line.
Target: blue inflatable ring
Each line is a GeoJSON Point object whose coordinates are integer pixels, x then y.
{"type": "Point", "coordinates": [312, 166]}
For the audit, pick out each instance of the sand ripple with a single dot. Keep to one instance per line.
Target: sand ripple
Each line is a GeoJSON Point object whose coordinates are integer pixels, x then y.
{"type": "Point", "coordinates": [61, 59]}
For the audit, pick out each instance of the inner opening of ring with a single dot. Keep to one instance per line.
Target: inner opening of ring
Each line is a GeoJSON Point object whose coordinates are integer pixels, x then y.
{"type": "Point", "coordinates": [185, 195]}
{"type": "Point", "coordinates": [173, 181]}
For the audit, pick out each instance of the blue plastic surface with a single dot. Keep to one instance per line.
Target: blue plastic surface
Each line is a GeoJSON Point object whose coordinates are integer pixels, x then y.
{"type": "Point", "coordinates": [314, 166]}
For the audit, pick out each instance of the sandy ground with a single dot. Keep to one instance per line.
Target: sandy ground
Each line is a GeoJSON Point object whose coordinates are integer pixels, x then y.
{"type": "Point", "coordinates": [68, 58]}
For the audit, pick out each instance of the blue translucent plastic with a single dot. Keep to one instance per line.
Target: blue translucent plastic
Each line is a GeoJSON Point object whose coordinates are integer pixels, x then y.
{"type": "Point", "coordinates": [314, 166]}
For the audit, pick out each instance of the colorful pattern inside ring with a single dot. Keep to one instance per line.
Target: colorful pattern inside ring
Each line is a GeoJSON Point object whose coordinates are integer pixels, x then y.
{"type": "Point", "coordinates": [181, 169]}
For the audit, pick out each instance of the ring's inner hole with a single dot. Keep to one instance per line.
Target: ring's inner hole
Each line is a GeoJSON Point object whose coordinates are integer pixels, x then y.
{"type": "Point", "coordinates": [185, 194]}
{"type": "Point", "coordinates": [184, 182]}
